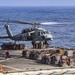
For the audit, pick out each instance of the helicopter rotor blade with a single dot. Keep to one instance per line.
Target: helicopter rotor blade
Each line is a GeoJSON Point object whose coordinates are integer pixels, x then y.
{"type": "Point", "coordinates": [35, 23]}
{"type": "Point", "coordinates": [55, 23]}
{"type": "Point", "coordinates": [15, 21]}
{"type": "Point", "coordinates": [20, 22]}
{"type": "Point", "coordinates": [51, 23]}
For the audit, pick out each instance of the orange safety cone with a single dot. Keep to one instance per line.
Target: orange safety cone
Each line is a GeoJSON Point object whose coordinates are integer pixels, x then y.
{"type": "Point", "coordinates": [1, 68]}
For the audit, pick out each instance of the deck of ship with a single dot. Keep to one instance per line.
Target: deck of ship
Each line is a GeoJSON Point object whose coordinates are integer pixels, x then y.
{"type": "Point", "coordinates": [18, 63]}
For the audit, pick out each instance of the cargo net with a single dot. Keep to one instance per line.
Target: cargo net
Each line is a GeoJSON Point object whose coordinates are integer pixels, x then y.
{"type": "Point", "coordinates": [12, 46]}
{"type": "Point", "coordinates": [57, 58]}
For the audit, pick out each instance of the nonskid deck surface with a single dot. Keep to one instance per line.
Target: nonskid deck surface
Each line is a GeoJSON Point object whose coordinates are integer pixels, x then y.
{"type": "Point", "coordinates": [18, 63]}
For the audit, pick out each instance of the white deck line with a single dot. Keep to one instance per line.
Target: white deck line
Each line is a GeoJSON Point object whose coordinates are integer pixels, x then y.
{"type": "Point", "coordinates": [5, 59]}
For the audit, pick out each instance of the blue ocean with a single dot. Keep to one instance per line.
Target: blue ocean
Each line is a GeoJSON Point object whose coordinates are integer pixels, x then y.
{"type": "Point", "coordinates": [63, 31]}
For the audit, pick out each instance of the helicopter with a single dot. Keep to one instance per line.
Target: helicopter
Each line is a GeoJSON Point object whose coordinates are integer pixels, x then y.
{"type": "Point", "coordinates": [29, 34]}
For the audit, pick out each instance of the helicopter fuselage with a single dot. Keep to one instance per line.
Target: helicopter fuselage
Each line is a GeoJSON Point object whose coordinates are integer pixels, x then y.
{"type": "Point", "coordinates": [35, 35]}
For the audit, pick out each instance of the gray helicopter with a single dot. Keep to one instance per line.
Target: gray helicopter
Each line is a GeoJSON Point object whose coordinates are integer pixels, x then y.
{"type": "Point", "coordinates": [29, 34]}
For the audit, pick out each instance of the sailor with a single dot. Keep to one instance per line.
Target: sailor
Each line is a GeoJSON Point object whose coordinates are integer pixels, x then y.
{"type": "Point", "coordinates": [33, 43]}
{"type": "Point", "coordinates": [23, 53]}
{"type": "Point", "coordinates": [65, 59]}
{"type": "Point", "coordinates": [7, 54]}
{"type": "Point", "coordinates": [58, 57]}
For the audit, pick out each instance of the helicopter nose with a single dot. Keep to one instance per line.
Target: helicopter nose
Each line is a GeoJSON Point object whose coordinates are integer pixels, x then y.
{"type": "Point", "coordinates": [49, 37]}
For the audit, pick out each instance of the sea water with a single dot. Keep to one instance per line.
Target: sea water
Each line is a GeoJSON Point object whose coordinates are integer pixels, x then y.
{"type": "Point", "coordinates": [63, 29]}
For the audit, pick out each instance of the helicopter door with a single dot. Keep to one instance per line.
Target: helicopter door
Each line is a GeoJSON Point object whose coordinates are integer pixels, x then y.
{"type": "Point", "coordinates": [37, 35]}
{"type": "Point", "coordinates": [30, 36]}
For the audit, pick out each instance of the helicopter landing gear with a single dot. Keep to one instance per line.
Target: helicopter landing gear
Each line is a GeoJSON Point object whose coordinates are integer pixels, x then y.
{"type": "Point", "coordinates": [46, 44]}
{"type": "Point", "coordinates": [15, 43]}
{"type": "Point", "coordinates": [43, 37]}
{"type": "Point", "coordinates": [33, 43]}
{"type": "Point", "coordinates": [40, 44]}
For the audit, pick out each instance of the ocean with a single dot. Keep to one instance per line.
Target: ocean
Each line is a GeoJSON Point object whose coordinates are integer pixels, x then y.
{"type": "Point", "coordinates": [63, 31]}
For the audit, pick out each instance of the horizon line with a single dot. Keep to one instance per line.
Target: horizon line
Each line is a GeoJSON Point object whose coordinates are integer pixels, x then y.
{"type": "Point", "coordinates": [37, 6]}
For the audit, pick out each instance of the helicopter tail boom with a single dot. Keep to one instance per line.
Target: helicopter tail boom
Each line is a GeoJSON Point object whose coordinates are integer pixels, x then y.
{"type": "Point", "coordinates": [8, 31]}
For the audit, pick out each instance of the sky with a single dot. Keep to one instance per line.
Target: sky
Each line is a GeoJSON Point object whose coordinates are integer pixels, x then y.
{"type": "Point", "coordinates": [37, 2]}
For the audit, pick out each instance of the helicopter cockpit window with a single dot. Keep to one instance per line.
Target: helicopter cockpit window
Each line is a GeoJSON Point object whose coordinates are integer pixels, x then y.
{"type": "Point", "coordinates": [46, 32]}
{"type": "Point", "coordinates": [42, 32]}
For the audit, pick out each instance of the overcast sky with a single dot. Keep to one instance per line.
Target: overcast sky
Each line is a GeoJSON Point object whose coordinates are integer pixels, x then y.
{"type": "Point", "coordinates": [37, 2]}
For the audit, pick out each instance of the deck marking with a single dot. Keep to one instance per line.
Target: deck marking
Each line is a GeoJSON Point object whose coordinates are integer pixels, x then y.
{"type": "Point", "coordinates": [5, 59]}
